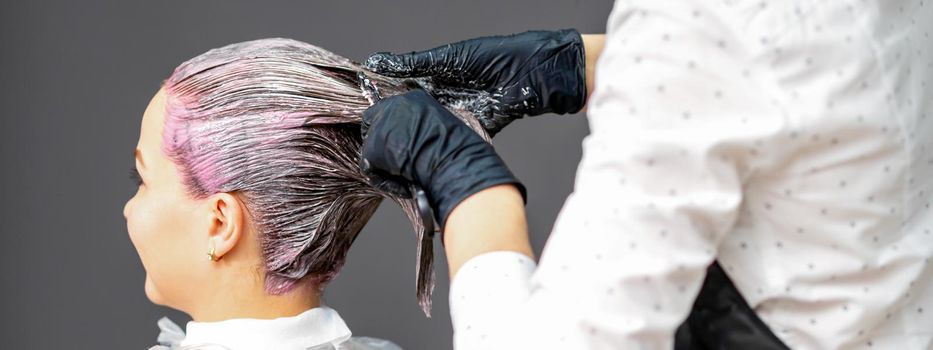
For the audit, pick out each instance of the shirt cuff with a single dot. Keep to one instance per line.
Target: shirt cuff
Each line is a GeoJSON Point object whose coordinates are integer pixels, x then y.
{"type": "Point", "coordinates": [488, 283]}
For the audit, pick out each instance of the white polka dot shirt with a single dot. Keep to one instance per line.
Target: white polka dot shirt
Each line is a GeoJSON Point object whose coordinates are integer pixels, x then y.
{"type": "Point", "coordinates": [790, 140]}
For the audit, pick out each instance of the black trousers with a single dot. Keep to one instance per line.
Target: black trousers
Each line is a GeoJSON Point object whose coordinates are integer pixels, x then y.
{"type": "Point", "coordinates": [722, 320]}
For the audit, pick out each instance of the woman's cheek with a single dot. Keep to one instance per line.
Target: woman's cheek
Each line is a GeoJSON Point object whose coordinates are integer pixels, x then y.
{"type": "Point", "coordinates": [140, 226]}
{"type": "Point", "coordinates": [150, 231]}
{"type": "Point", "coordinates": [155, 235]}
{"type": "Point", "coordinates": [132, 212]}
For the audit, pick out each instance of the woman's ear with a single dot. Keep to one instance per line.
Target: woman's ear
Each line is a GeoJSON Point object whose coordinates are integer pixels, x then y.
{"type": "Point", "coordinates": [228, 224]}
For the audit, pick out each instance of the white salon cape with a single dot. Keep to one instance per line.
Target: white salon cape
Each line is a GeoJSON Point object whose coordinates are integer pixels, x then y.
{"type": "Point", "coordinates": [320, 328]}
{"type": "Point", "coordinates": [790, 140]}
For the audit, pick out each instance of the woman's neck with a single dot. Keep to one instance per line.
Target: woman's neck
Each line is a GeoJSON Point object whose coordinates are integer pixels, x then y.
{"type": "Point", "coordinates": [254, 302]}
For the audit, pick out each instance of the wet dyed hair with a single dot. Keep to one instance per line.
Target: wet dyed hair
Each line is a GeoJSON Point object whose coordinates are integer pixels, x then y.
{"type": "Point", "coordinates": [276, 121]}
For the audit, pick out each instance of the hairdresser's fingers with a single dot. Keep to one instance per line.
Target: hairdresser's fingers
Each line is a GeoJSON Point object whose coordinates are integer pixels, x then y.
{"type": "Point", "coordinates": [364, 127]}
{"type": "Point", "coordinates": [394, 185]}
{"type": "Point", "coordinates": [440, 61]}
{"type": "Point", "coordinates": [387, 136]}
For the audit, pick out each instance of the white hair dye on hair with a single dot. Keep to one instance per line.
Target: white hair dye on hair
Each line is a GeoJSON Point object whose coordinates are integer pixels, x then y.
{"type": "Point", "coordinates": [276, 121]}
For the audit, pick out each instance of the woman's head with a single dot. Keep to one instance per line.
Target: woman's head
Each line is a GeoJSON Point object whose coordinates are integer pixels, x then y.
{"type": "Point", "coordinates": [252, 150]}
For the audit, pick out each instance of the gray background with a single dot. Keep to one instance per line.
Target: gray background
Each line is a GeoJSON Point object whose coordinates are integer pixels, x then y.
{"type": "Point", "coordinates": [75, 77]}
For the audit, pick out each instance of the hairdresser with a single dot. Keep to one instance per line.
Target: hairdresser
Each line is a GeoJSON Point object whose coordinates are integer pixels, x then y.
{"type": "Point", "coordinates": [532, 73]}
{"type": "Point", "coordinates": [707, 143]}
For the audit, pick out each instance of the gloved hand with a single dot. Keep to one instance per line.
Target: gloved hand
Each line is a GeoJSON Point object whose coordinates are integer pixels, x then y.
{"type": "Point", "coordinates": [412, 139]}
{"type": "Point", "coordinates": [529, 73]}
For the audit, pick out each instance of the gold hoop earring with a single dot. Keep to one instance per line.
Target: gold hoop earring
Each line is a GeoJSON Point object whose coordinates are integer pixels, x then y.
{"type": "Point", "coordinates": [210, 254]}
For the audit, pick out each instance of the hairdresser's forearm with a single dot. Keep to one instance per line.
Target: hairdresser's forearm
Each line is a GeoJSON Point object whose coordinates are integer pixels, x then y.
{"type": "Point", "coordinates": [490, 220]}
{"type": "Point", "coordinates": [592, 47]}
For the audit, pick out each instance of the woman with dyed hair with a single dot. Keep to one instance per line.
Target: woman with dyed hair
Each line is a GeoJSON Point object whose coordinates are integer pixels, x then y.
{"type": "Point", "coordinates": [250, 195]}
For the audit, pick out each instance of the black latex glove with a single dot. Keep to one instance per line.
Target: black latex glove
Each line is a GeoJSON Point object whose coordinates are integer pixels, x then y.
{"type": "Point", "coordinates": [529, 73]}
{"type": "Point", "coordinates": [412, 139]}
